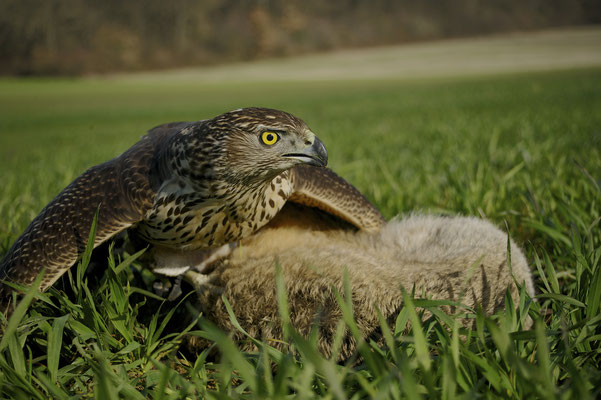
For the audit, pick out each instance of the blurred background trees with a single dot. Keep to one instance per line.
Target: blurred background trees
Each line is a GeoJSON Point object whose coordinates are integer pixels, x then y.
{"type": "Point", "coordinates": [72, 37]}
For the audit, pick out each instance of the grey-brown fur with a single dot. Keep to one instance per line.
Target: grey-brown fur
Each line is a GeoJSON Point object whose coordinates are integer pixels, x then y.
{"type": "Point", "coordinates": [453, 258]}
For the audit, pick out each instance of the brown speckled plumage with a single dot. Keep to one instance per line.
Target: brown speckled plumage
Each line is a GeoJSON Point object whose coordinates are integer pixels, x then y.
{"type": "Point", "coordinates": [119, 189]}
{"type": "Point", "coordinates": [187, 186]}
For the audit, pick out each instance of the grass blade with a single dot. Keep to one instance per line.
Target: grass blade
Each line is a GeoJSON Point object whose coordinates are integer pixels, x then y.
{"type": "Point", "coordinates": [20, 310]}
{"type": "Point", "coordinates": [55, 340]}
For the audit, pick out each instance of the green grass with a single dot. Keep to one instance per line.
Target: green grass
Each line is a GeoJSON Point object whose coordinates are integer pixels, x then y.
{"type": "Point", "coordinates": [522, 150]}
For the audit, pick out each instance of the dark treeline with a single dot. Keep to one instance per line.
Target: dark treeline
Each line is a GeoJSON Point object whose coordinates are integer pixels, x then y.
{"type": "Point", "coordinates": [71, 37]}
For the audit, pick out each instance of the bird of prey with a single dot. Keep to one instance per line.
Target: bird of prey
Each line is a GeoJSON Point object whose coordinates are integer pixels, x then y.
{"type": "Point", "coordinates": [185, 187]}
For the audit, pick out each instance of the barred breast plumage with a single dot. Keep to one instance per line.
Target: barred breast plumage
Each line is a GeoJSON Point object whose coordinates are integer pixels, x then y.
{"type": "Point", "coordinates": [189, 221]}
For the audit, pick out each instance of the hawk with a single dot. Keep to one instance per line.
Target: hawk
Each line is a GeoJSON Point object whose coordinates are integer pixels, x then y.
{"type": "Point", "coordinates": [187, 187]}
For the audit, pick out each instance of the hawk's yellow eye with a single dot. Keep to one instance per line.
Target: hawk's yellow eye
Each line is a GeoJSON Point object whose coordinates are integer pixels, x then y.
{"type": "Point", "coordinates": [269, 138]}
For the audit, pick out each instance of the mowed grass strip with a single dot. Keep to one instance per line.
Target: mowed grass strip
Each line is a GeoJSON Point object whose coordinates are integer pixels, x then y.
{"type": "Point", "coordinates": [522, 150]}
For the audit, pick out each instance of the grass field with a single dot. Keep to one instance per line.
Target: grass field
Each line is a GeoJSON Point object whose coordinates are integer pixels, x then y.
{"type": "Point", "coordinates": [523, 150]}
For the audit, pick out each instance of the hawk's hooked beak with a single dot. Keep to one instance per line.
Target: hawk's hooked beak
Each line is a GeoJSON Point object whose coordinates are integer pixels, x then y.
{"type": "Point", "coordinates": [315, 155]}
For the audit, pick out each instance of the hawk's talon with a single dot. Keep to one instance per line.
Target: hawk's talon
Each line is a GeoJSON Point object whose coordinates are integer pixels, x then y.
{"type": "Point", "coordinates": [159, 288]}
{"type": "Point", "coordinates": [215, 255]}
{"type": "Point", "coordinates": [198, 281]}
{"type": "Point", "coordinates": [176, 290]}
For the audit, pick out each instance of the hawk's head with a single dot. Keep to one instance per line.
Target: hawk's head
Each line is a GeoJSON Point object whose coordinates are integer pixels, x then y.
{"type": "Point", "coordinates": [256, 144]}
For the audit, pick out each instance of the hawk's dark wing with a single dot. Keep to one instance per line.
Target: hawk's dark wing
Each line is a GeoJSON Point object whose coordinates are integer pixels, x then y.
{"type": "Point", "coordinates": [322, 188]}
{"type": "Point", "coordinates": [122, 190]}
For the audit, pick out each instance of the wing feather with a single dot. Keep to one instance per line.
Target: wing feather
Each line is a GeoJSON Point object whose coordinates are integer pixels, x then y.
{"type": "Point", "coordinates": [322, 188]}
{"type": "Point", "coordinates": [121, 190]}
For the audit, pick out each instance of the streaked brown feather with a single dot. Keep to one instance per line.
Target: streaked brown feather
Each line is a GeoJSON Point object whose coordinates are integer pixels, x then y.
{"type": "Point", "coordinates": [120, 190]}
{"type": "Point", "coordinates": [322, 188]}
